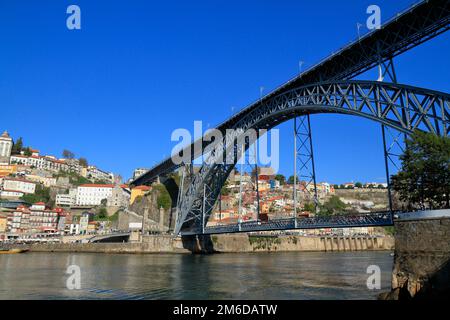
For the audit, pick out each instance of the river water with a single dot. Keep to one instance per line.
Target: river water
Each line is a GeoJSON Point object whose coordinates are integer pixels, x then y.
{"type": "Point", "coordinates": [294, 275]}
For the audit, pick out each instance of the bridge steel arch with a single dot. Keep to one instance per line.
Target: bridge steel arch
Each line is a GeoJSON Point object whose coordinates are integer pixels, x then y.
{"type": "Point", "coordinates": [402, 107]}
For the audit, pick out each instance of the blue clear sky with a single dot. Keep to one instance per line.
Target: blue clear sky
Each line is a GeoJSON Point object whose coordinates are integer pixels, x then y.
{"type": "Point", "coordinates": [114, 91]}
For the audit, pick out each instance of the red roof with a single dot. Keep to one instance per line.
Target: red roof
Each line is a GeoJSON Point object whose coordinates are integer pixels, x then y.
{"type": "Point", "coordinates": [143, 188]}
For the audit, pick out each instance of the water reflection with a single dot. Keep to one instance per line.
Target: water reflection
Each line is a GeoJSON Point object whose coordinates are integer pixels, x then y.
{"type": "Point", "coordinates": [222, 276]}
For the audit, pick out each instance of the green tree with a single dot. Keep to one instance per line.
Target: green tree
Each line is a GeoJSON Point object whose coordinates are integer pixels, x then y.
{"type": "Point", "coordinates": [102, 214]}
{"type": "Point", "coordinates": [27, 152]}
{"type": "Point", "coordinates": [309, 206]}
{"type": "Point", "coordinates": [291, 180]}
{"type": "Point", "coordinates": [425, 174]}
{"type": "Point", "coordinates": [67, 154]}
{"type": "Point", "coordinates": [163, 198]}
{"type": "Point", "coordinates": [358, 185]}
{"type": "Point", "coordinates": [17, 147]}
{"type": "Point", "coordinates": [41, 194]}
{"type": "Point", "coordinates": [225, 191]}
{"type": "Point", "coordinates": [281, 178]}
{"type": "Point", "coordinates": [334, 205]}
{"type": "Point", "coordinates": [83, 162]}
{"type": "Point", "coordinates": [336, 186]}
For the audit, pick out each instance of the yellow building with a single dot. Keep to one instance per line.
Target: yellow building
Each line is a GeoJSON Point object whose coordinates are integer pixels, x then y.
{"type": "Point", "coordinates": [6, 169]}
{"type": "Point", "coordinates": [3, 223]}
{"type": "Point", "coordinates": [139, 191]}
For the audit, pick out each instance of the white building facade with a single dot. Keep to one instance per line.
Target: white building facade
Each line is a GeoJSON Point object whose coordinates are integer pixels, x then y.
{"type": "Point", "coordinates": [43, 163]}
{"type": "Point", "coordinates": [65, 200]}
{"type": "Point", "coordinates": [6, 144]}
{"type": "Point", "coordinates": [93, 194]}
{"type": "Point", "coordinates": [19, 185]}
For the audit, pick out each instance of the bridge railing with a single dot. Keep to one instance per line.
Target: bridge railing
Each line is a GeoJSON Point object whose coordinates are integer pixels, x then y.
{"type": "Point", "coordinates": [339, 221]}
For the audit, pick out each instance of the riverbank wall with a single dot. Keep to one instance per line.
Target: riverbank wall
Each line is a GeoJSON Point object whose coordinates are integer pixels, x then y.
{"type": "Point", "coordinates": [238, 243]}
{"type": "Point", "coordinates": [422, 257]}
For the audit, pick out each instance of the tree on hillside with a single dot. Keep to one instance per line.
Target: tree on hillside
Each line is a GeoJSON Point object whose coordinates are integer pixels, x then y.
{"type": "Point", "coordinates": [309, 206]}
{"type": "Point", "coordinates": [358, 185]}
{"type": "Point", "coordinates": [225, 191]}
{"type": "Point", "coordinates": [163, 198]}
{"type": "Point", "coordinates": [17, 147]}
{"type": "Point", "coordinates": [83, 162]}
{"type": "Point", "coordinates": [27, 152]}
{"type": "Point", "coordinates": [334, 205]}
{"type": "Point", "coordinates": [291, 180]}
{"type": "Point", "coordinates": [281, 178]}
{"type": "Point", "coordinates": [424, 179]}
{"type": "Point", "coordinates": [67, 154]}
{"type": "Point", "coordinates": [41, 194]}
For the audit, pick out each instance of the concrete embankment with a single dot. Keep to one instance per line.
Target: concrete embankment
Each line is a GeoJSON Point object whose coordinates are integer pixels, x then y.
{"type": "Point", "coordinates": [226, 244]}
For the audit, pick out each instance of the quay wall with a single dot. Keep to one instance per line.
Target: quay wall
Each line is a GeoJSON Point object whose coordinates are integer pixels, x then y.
{"type": "Point", "coordinates": [225, 244]}
{"type": "Point", "coordinates": [422, 259]}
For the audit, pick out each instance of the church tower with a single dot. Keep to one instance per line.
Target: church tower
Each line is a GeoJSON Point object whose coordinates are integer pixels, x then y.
{"type": "Point", "coordinates": [6, 144]}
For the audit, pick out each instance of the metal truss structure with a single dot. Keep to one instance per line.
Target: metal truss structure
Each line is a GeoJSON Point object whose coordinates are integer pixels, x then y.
{"type": "Point", "coordinates": [404, 108]}
{"type": "Point", "coordinates": [304, 167]}
{"type": "Point", "coordinates": [249, 166]}
{"type": "Point", "coordinates": [325, 88]}
{"type": "Point", "coordinates": [368, 220]}
{"type": "Point", "coordinates": [418, 24]}
{"type": "Point", "coordinates": [394, 142]}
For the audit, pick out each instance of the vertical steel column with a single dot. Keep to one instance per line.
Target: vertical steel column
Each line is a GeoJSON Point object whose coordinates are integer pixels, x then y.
{"type": "Point", "coordinates": [386, 163]}
{"type": "Point", "coordinates": [304, 167]}
{"type": "Point", "coordinates": [204, 208]}
{"type": "Point", "coordinates": [316, 200]}
{"type": "Point", "coordinates": [220, 206]}
{"type": "Point", "coordinates": [295, 170]}
{"type": "Point", "coordinates": [180, 197]}
{"type": "Point", "coordinates": [241, 184]}
{"type": "Point", "coordinates": [387, 70]}
{"type": "Point", "coordinates": [255, 159]}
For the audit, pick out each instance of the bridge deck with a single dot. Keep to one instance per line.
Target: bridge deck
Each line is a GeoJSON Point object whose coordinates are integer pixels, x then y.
{"type": "Point", "coordinates": [367, 220]}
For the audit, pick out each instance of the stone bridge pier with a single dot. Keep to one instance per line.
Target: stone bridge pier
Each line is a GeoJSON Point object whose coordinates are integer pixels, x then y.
{"type": "Point", "coordinates": [422, 257]}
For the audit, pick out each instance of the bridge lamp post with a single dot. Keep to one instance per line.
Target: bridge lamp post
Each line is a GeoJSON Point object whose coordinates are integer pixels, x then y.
{"type": "Point", "coordinates": [300, 64]}
{"type": "Point", "coordinates": [358, 26]}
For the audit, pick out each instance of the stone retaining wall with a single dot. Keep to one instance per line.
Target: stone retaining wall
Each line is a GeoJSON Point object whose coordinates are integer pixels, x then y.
{"type": "Point", "coordinates": [225, 244]}
{"type": "Point", "coordinates": [422, 260]}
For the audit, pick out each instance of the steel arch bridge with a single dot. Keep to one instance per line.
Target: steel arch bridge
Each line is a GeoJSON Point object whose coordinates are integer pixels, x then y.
{"type": "Point", "coordinates": [404, 108]}
{"type": "Point", "coordinates": [323, 88]}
